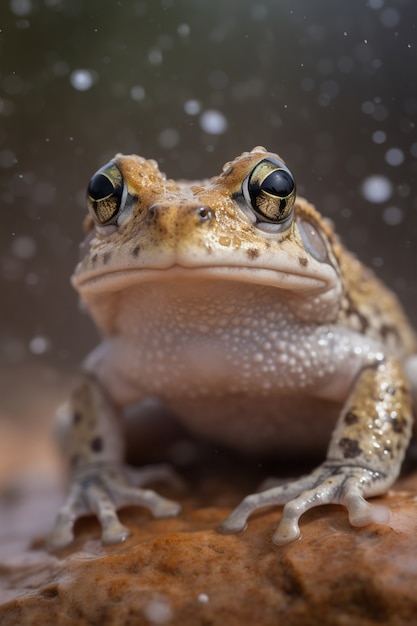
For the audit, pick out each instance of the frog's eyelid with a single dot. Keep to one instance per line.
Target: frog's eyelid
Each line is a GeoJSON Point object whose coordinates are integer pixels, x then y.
{"type": "Point", "coordinates": [126, 206]}
{"type": "Point", "coordinates": [123, 198]}
{"type": "Point", "coordinates": [245, 191]}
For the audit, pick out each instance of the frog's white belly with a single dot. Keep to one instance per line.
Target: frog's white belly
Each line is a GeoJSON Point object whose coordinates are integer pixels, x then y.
{"type": "Point", "coordinates": [236, 367]}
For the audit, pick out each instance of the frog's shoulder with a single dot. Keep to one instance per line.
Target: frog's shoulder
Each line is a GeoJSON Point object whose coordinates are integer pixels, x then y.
{"type": "Point", "coordinates": [370, 306]}
{"type": "Point", "coordinates": [367, 304]}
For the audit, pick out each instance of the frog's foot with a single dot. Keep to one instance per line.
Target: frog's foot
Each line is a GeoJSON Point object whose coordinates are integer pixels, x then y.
{"type": "Point", "coordinates": [328, 484]}
{"type": "Point", "coordinates": [101, 489]}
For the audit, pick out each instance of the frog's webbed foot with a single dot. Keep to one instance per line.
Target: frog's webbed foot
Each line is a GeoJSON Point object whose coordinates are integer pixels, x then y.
{"type": "Point", "coordinates": [101, 489]}
{"type": "Point", "coordinates": [328, 484]}
{"type": "Point", "coordinates": [363, 459]}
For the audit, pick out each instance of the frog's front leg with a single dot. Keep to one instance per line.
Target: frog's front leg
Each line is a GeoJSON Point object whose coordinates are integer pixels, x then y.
{"type": "Point", "coordinates": [363, 459]}
{"type": "Point", "coordinates": [94, 446]}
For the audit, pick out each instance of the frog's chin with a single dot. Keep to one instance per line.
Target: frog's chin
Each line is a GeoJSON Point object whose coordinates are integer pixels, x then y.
{"type": "Point", "coordinates": [124, 278]}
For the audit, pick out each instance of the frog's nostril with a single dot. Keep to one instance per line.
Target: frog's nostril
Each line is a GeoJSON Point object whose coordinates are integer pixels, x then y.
{"type": "Point", "coordinates": [204, 213]}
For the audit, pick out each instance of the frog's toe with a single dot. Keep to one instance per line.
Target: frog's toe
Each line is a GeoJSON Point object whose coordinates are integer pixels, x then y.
{"type": "Point", "coordinates": [101, 490]}
{"type": "Point", "coordinates": [158, 505]}
{"type": "Point", "coordinates": [326, 485]}
{"type": "Point", "coordinates": [361, 512]}
{"type": "Point", "coordinates": [62, 534]}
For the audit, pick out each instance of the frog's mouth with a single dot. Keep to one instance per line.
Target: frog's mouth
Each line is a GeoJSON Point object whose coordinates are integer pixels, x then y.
{"type": "Point", "coordinates": [286, 278]}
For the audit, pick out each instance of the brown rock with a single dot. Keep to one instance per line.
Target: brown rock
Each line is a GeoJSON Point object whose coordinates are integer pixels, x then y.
{"type": "Point", "coordinates": [181, 571]}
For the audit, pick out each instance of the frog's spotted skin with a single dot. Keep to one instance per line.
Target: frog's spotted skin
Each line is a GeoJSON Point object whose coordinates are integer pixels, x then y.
{"type": "Point", "coordinates": [233, 302]}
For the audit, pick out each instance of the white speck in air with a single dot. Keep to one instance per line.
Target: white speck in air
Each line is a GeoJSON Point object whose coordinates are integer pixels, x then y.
{"type": "Point", "coordinates": [23, 247]}
{"type": "Point", "coordinates": [39, 345]}
{"type": "Point", "coordinates": [169, 138]}
{"type": "Point", "coordinates": [21, 7]}
{"type": "Point", "coordinates": [82, 80]}
{"type": "Point", "coordinates": [192, 107]}
{"type": "Point", "coordinates": [213, 122]}
{"type": "Point", "coordinates": [137, 93]}
{"type": "Point", "coordinates": [392, 215]}
{"type": "Point", "coordinates": [376, 188]}
{"type": "Point", "coordinates": [394, 156]}
{"type": "Point", "coordinates": [183, 30]}
{"type": "Point", "coordinates": [379, 136]}
{"type": "Point", "coordinates": [390, 17]}
{"type": "Point", "coordinates": [155, 56]}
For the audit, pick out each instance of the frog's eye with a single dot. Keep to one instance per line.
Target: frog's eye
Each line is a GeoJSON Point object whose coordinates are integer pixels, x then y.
{"type": "Point", "coordinates": [106, 194]}
{"type": "Point", "coordinates": [270, 191]}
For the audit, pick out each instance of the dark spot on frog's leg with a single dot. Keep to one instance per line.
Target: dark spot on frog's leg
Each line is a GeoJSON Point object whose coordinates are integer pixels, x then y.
{"type": "Point", "coordinates": [94, 259]}
{"type": "Point", "coordinates": [135, 251]}
{"type": "Point", "coordinates": [106, 257]}
{"type": "Point", "coordinates": [399, 424]}
{"type": "Point", "coordinates": [303, 261]}
{"type": "Point", "coordinates": [351, 418]}
{"type": "Point", "coordinates": [96, 444]}
{"type": "Point", "coordinates": [350, 447]}
{"type": "Point", "coordinates": [252, 253]}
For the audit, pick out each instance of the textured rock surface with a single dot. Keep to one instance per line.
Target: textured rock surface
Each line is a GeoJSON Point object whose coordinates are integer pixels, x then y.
{"type": "Point", "coordinates": [181, 571]}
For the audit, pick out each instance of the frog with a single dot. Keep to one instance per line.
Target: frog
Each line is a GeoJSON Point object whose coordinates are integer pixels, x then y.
{"type": "Point", "coordinates": [233, 303]}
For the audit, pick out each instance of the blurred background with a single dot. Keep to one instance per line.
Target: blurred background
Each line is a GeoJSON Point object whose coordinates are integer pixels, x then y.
{"type": "Point", "coordinates": [331, 86]}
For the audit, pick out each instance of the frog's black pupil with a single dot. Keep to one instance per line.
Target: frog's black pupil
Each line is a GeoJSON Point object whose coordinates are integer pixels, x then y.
{"type": "Point", "coordinates": [279, 183]}
{"type": "Point", "coordinates": [100, 187]}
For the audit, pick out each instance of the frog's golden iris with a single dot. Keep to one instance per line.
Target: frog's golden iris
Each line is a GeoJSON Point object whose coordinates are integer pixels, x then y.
{"type": "Point", "coordinates": [271, 190]}
{"type": "Point", "coordinates": [105, 193]}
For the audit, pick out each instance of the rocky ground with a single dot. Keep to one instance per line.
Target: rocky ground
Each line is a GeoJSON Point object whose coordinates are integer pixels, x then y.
{"type": "Point", "coordinates": [181, 571]}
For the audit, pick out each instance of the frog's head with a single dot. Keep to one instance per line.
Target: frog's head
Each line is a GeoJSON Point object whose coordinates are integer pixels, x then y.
{"type": "Point", "coordinates": [245, 225]}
